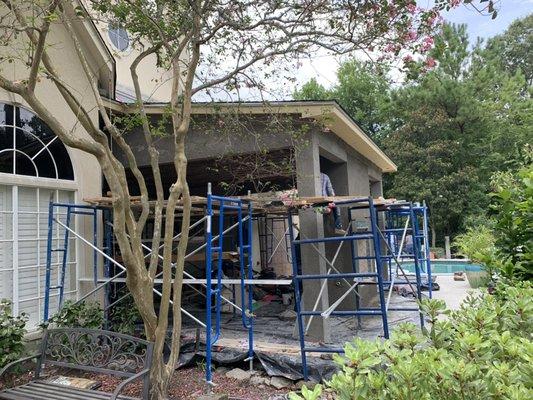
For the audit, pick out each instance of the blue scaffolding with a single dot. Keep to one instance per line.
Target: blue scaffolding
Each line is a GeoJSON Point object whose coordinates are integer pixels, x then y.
{"type": "Point", "coordinates": [55, 211]}
{"type": "Point", "coordinates": [408, 222]}
{"type": "Point", "coordinates": [243, 210]}
{"type": "Point", "coordinates": [218, 208]}
{"type": "Point", "coordinates": [352, 236]}
{"type": "Point", "coordinates": [381, 254]}
{"type": "Point", "coordinates": [383, 230]}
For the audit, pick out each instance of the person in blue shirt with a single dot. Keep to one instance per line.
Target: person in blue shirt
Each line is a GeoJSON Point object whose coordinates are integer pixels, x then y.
{"type": "Point", "coordinates": [327, 190]}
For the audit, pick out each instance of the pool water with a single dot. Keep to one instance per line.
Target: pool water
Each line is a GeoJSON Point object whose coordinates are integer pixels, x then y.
{"type": "Point", "coordinates": [446, 266]}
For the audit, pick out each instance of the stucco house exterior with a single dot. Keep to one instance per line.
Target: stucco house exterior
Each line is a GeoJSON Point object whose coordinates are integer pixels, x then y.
{"type": "Point", "coordinates": [36, 168]}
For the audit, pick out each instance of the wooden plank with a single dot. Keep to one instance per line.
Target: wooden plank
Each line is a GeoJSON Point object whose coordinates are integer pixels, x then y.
{"type": "Point", "coordinates": [187, 281]}
{"type": "Point", "coordinates": [265, 347]}
{"type": "Point", "coordinates": [226, 255]}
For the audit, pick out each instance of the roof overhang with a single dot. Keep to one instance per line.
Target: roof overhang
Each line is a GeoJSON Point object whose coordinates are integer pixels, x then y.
{"type": "Point", "coordinates": [95, 46]}
{"type": "Point", "coordinates": [329, 113]}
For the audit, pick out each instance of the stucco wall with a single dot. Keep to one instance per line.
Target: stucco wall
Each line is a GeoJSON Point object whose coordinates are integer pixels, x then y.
{"type": "Point", "coordinates": [156, 83]}
{"type": "Point", "coordinates": [206, 139]}
{"type": "Point", "coordinates": [87, 172]}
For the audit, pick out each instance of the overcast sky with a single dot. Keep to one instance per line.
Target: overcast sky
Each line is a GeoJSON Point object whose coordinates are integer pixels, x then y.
{"type": "Point", "coordinates": [323, 68]}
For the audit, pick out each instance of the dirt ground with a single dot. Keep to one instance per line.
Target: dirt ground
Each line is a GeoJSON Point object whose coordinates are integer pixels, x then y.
{"type": "Point", "coordinates": [187, 384]}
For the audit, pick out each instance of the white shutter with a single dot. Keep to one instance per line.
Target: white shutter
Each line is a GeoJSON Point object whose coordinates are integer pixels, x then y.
{"type": "Point", "coordinates": [6, 243]}
{"type": "Point", "coordinates": [28, 254]}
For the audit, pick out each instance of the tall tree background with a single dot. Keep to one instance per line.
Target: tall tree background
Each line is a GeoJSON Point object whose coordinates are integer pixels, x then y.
{"type": "Point", "coordinates": [457, 117]}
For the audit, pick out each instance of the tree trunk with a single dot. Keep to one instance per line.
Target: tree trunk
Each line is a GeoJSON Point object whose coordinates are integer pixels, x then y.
{"type": "Point", "coordinates": [433, 237]}
{"type": "Point", "coordinates": [159, 379]}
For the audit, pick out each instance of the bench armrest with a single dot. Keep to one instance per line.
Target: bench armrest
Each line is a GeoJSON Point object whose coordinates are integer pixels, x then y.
{"type": "Point", "coordinates": [127, 381]}
{"type": "Point", "coordinates": [21, 360]}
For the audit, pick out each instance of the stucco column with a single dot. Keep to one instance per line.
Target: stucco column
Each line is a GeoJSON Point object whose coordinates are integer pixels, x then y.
{"type": "Point", "coordinates": [312, 226]}
{"type": "Point", "coordinates": [341, 176]}
{"type": "Point", "coordinates": [359, 184]}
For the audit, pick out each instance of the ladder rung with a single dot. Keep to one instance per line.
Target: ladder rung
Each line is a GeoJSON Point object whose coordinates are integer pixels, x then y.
{"type": "Point", "coordinates": [56, 287]}
{"type": "Point", "coordinates": [59, 249]}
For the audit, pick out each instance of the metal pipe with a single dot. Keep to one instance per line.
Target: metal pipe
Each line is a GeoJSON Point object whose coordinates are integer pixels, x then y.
{"type": "Point", "coordinates": [335, 239]}
{"type": "Point", "coordinates": [208, 267]}
{"type": "Point", "coordinates": [334, 306]}
{"type": "Point", "coordinates": [279, 243]}
{"type": "Point", "coordinates": [377, 253]}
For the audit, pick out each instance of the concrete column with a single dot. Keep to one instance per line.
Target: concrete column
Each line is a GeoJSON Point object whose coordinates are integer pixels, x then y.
{"type": "Point", "coordinates": [280, 261]}
{"type": "Point", "coordinates": [312, 226]}
{"type": "Point", "coordinates": [359, 185]}
{"type": "Point", "coordinates": [340, 176]}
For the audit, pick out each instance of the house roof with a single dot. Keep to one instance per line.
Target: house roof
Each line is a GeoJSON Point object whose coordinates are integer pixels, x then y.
{"type": "Point", "coordinates": [330, 113]}
{"type": "Point", "coordinates": [97, 47]}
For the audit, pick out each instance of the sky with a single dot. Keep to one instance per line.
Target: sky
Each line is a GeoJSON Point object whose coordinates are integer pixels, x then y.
{"type": "Point", "coordinates": [324, 68]}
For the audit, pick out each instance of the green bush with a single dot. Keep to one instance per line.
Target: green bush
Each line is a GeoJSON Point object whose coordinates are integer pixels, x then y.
{"type": "Point", "coordinates": [124, 316]}
{"type": "Point", "coordinates": [12, 331]}
{"type": "Point", "coordinates": [478, 244]}
{"type": "Point", "coordinates": [481, 351]}
{"type": "Point", "coordinates": [79, 315]}
{"type": "Point", "coordinates": [513, 210]}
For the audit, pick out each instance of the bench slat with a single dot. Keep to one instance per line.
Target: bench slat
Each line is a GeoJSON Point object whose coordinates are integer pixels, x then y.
{"type": "Point", "coordinates": [104, 395]}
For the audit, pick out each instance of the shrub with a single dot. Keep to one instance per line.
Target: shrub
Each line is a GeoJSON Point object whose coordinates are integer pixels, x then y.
{"type": "Point", "coordinates": [478, 244]}
{"type": "Point", "coordinates": [80, 315]}
{"type": "Point", "coordinates": [124, 315]}
{"type": "Point", "coordinates": [513, 210]}
{"type": "Point", "coordinates": [481, 351]}
{"type": "Point", "coordinates": [12, 331]}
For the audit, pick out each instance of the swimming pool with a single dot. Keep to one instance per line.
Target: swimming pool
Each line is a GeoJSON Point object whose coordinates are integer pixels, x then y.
{"type": "Point", "coordinates": [446, 266]}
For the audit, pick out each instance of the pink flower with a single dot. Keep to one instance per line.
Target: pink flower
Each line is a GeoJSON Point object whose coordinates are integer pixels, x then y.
{"type": "Point", "coordinates": [389, 48]}
{"type": "Point", "coordinates": [412, 35]}
{"type": "Point", "coordinates": [427, 43]}
{"type": "Point", "coordinates": [430, 62]}
{"type": "Point", "coordinates": [408, 59]}
{"type": "Point", "coordinates": [411, 8]}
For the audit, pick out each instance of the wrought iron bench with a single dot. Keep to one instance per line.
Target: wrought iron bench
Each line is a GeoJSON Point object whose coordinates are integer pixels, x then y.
{"type": "Point", "coordinates": [85, 350]}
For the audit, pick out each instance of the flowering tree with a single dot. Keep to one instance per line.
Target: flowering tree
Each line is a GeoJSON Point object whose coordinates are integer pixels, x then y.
{"type": "Point", "coordinates": [207, 45]}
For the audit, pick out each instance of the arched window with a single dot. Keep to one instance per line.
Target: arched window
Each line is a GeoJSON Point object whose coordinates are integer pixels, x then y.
{"type": "Point", "coordinates": [29, 147]}
{"type": "Point", "coordinates": [119, 37]}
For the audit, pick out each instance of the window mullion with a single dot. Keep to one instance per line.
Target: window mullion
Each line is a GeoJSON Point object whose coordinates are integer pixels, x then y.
{"type": "Point", "coordinates": [15, 257]}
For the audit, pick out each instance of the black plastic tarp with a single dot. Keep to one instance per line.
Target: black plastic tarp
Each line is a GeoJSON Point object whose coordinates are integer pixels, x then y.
{"type": "Point", "coordinates": [274, 364]}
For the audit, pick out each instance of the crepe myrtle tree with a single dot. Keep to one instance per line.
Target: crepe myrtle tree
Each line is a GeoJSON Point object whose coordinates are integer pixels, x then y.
{"type": "Point", "coordinates": [206, 45]}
